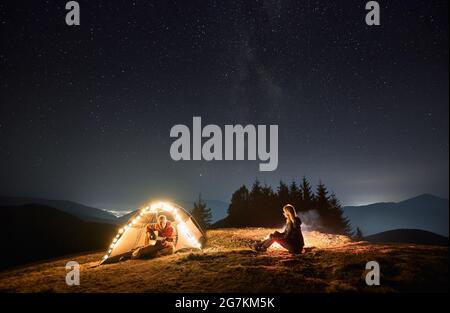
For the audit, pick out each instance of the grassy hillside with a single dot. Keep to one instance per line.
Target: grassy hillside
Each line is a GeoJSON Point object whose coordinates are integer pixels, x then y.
{"type": "Point", "coordinates": [332, 264]}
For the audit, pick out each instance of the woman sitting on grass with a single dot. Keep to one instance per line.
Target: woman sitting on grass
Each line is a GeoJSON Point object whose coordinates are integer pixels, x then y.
{"type": "Point", "coordinates": [291, 239]}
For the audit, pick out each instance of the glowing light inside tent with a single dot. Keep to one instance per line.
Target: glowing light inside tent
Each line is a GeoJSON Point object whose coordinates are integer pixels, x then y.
{"type": "Point", "coordinates": [276, 246]}
{"type": "Point", "coordinates": [153, 208]}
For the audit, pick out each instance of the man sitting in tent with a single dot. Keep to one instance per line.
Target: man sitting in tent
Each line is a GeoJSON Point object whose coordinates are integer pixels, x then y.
{"type": "Point", "coordinates": [164, 240]}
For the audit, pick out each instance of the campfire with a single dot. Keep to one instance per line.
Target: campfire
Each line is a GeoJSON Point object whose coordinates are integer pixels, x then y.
{"type": "Point", "coordinates": [241, 237]}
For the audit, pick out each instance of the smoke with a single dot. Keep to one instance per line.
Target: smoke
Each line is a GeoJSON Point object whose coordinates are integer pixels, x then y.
{"type": "Point", "coordinates": [310, 220]}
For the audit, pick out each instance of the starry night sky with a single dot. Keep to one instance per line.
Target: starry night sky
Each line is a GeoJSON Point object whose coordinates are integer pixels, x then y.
{"type": "Point", "coordinates": [85, 112]}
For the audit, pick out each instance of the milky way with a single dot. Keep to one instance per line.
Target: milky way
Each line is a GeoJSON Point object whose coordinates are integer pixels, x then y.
{"type": "Point", "coordinates": [86, 111]}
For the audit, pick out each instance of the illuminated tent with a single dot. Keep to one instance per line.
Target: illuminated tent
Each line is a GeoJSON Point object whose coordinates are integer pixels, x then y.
{"type": "Point", "coordinates": [188, 234]}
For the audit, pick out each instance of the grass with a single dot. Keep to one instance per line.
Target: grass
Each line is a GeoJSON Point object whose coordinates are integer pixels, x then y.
{"type": "Point", "coordinates": [227, 264]}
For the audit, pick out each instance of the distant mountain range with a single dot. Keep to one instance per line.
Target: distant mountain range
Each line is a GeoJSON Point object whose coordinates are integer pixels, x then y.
{"type": "Point", "coordinates": [86, 213]}
{"type": "Point", "coordinates": [413, 236]}
{"type": "Point", "coordinates": [425, 212]}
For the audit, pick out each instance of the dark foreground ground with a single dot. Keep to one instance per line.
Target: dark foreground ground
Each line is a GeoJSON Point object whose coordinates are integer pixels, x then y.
{"type": "Point", "coordinates": [332, 264]}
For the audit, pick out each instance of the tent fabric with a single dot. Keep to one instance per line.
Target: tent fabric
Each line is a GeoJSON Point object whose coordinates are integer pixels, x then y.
{"type": "Point", "coordinates": [188, 235]}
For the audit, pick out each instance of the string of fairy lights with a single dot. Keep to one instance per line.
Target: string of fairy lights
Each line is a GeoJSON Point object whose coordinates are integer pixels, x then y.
{"type": "Point", "coordinates": [163, 206]}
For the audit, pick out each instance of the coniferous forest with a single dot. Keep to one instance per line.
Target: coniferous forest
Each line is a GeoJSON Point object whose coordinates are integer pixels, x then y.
{"type": "Point", "coordinates": [260, 206]}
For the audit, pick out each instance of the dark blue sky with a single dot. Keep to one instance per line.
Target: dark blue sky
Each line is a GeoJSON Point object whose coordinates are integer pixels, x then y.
{"type": "Point", "coordinates": [86, 111]}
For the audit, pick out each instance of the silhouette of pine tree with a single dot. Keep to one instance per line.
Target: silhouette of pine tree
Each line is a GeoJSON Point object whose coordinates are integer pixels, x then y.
{"type": "Point", "coordinates": [307, 196]}
{"type": "Point", "coordinates": [339, 224]}
{"type": "Point", "coordinates": [238, 208]}
{"type": "Point", "coordinates": [256, 212]}
{"type": "Point", "coordinates": [283, 196]}
{"type": "Point", "coordinates": [295, 195]}
{"type": "Point", "coordinates": [321, 205]}
{"type": "Point", "coordinates": [270, 212]}
{"type": "Point", "coordinates": [201, 213]}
